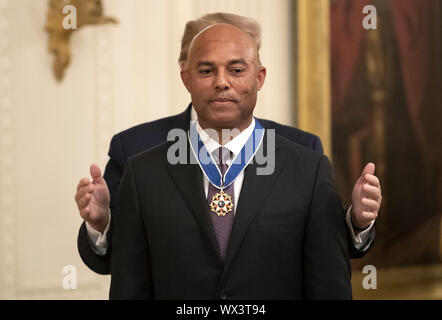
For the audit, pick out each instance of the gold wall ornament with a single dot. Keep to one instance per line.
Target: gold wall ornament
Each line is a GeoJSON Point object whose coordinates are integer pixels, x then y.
{"type": "Point", "coordinates": [88, 12]}
{"type": "Point", "coordinates": [314, 91]}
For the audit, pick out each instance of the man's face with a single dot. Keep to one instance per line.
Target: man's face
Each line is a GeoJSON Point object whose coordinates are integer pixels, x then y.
{"type": "Point", "coordinates": [223, 76]}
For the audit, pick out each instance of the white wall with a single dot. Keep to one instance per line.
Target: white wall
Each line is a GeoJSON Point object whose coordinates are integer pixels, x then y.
{"type": "Point", "coordinates": [50, 132]}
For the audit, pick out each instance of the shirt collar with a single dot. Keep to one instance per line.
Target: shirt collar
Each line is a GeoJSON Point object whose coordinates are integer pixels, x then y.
{"type": "Point", "coordinates": [235, 145]}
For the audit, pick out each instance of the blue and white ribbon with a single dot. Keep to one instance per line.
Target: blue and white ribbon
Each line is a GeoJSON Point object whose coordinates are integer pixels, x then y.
{"type": "Point", "coordinates": [239, 163]}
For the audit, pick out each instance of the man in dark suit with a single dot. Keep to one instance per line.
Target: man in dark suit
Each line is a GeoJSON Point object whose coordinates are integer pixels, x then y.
{"type": "Point", "coordinates": [96, 232]}
{"type": "Point", "coordinates": [182, 234]}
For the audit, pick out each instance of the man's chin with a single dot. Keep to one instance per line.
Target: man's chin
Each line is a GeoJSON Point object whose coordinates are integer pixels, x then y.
{"type": "Point", "coordinates": [228, 121]}
{"type": "Point", "coordinates": [228, 117]}
{"type": "Point", "coordinates": [223, 104]}
{"type": "Point", "coordinates": [235, 126]}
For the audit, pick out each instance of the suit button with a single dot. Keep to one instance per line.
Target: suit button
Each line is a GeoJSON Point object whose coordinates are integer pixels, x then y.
{"type": "Point", "coordinates": [224, 296]}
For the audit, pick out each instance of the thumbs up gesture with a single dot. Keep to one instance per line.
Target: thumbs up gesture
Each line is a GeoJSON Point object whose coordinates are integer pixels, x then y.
{"type": "Point", "coordinates": [366, 198]}
{"type": "Point", "coordinates": [93, 200]}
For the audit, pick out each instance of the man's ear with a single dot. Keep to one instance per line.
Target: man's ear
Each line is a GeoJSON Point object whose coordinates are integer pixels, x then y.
{"type": "Point", "coordinates": [260, 77]}
{"type": "Point", "coordinates": [185, 77]}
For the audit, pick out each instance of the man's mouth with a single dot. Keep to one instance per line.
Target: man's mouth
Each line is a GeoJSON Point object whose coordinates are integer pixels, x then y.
{"type": "Point", "coordinates": [222, 100]}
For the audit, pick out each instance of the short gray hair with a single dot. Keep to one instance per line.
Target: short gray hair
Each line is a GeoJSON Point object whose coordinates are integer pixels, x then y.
{"type": "Point", "coordinates": [193, 27]}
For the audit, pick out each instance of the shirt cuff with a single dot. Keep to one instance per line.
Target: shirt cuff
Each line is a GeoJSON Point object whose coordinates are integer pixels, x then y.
{"type": "Point", "coordinates": [98, 240]}
{"type": "Point", "coordinates": [360, 239]}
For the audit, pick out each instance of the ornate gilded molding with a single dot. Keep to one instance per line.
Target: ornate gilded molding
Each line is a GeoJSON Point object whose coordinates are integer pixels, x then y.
{"type": "Point", "coordinates": [87, 12]}
{"type": "Point", "coordinates": [313, 107]}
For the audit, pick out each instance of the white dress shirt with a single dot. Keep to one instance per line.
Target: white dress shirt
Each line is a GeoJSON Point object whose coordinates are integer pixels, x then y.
{"type": "Point", "coordinates": [99, 243]}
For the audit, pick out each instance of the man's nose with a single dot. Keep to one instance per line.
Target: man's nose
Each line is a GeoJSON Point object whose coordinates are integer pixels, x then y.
{"type": "Point", "coordinates": [221, 81]}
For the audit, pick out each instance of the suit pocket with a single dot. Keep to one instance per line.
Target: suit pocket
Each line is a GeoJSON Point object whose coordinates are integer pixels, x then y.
{"type": "Point", "coordinates": [279, 222]}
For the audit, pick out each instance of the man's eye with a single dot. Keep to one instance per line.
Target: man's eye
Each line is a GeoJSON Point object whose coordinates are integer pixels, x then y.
{"type": "Point", "coordinates": [205, 71]}
{"type": "Point", "coordinates": [237, 70]}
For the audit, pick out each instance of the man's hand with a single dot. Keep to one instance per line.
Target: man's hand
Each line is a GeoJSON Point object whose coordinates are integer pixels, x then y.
{"type": "Point", "coordinates": [366, 198]}
{"type": "Point", "coordinates": [93, 200]}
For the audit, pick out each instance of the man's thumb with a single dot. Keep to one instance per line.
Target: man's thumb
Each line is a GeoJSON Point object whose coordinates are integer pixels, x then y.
{"type": "Point", "coordinates": [96, 173]}
{"type": "Point", "coordinates": [369, 169]}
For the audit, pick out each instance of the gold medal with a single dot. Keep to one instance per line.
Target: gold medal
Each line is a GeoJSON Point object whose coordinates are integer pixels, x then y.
{"type": "Point", "coordinates": [221, 203]}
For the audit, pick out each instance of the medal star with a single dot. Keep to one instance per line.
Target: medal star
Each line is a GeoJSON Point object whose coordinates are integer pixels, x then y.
{"type": "Point", "coordinates": [221, 203]}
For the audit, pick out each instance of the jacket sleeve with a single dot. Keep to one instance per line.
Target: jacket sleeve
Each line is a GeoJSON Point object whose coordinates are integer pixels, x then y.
{"type": "Point", "coordinates": [326, 261]}
{"type": "Point", "coordinates": [112, 175]}
{"type": "Point", "coordinates": [130, 260]}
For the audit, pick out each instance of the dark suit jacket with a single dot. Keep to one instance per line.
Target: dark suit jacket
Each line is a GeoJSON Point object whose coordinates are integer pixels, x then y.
{"type": "Point", "coordinates": [288, 241]}
{"type": "Point", "coordinates": [148, 135]}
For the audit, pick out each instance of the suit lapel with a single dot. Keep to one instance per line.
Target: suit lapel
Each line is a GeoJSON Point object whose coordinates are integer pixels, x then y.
{"type": "Point", "coordinates": [188, 179]}
{"type": "Point", "coordinates": [253, 194]}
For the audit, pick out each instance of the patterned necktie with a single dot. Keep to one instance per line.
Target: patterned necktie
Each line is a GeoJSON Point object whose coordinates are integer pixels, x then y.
{"type": "Point", "coordinates": [221, 224]}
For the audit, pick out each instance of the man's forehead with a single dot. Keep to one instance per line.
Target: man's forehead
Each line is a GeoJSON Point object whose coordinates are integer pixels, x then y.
{"type": "Point", "coordinates": [223, 57]}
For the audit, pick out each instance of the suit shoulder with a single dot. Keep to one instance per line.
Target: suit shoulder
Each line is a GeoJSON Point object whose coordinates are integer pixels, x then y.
{"type": "Point", "coordinates": [299, 136]}
{"type": "Point", "coordinates": [293, 146]}
{"type": "Point", "coordinates": [302, 160]}
{"type": "Point", "coordinates": [149, 165]}
{"type": "Point", "coordinates": [146, 135]}
{"type": "Point", "coordinates": [154, 126]}
{"type": "Point", "coordinates": [298, 151]}
{"type": "Point", "coordinates": [285, 130]}
{"type": "Point", "coordinates": [156, 153]}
